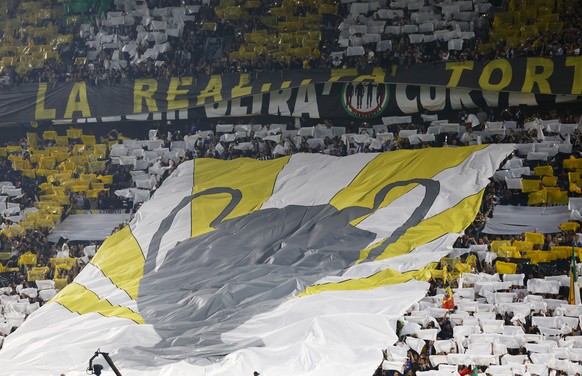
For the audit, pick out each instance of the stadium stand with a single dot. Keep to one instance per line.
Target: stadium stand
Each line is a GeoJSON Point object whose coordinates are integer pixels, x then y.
{"type": "Point", "coordinates": [500, 303]}
{"type": "Point", "coordinates": [430, 31]}
{"type": "Point", "coordinates": [108, 42]}
{"type": "Point", "coordinates": [537, 29]}
{"type": "Point", "coordinates": [543, 172]}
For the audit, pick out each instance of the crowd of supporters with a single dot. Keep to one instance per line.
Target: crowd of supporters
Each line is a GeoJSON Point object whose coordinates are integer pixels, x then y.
{"type": "Point", "coordinates": [187, 54]}
{"type": "Point", "coordinates": [465, 330]}
{"type": "Point", "coordinates": [212, 144]}
{"type": "Point", "coordinates": [290, 142]}
{"type": "Point", "coordinates": [32, 268]}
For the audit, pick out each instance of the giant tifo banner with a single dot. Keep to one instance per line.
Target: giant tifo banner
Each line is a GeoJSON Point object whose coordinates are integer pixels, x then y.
{"type": "Point", "coordinates": [296, 266]}
{"type": "Point", "coordinates": [74, 100]}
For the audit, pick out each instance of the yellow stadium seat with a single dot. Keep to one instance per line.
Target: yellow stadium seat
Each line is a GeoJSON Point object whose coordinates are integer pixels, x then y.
{"type": "Point", "coordinates": [542, 27]}
{"type": "Point", "coordinates": [497, 244]}
{"type": "Point", "coordinates": [544, 171]}
{"type": "Point", "coordinates": [37, 273]}
{"type": "Point", "coordinates": [522, 245]}
{"type": "Point", "coordinates": [74, 133]}
{"type": "Point", "coordinates": [54, 217]}
{"type": "Point", "coordinates": [534, 238]}
{"type": "Point", "coordinates": [43, 223]}
{"type": "Point", "coordinates": [471, 260]}
{"type": "Point", "coordinates": [252, 4]}
{"type": "Point", "coordinates": [60, 156]}
{"type": "Point", "coordinates": [100, 151]}
{"type": "Point", "coordinates": [16, 230]}
{"type": "Point", "coordinates": [530, 185]}
{"type": "Point", "coordinates": [60, 283]}
{"type": "Point", "coordinates": [437, 274]}
{"type": "Point", "coordinates": [68, 261]}
{"type": "Point", "coordinates": [574, 182]}
{"type": "Point", "coordinates": [209, 26]}
{"type": "Point", "coordinates": [557, 197]}
{"type": "Point", "coordinates": [32, 139]}
{"type": "Point", "coordinates": [269, 20]}
{"type": "Point", "coordinates": [64, 262]}
{"type": "Point", "coordinates": [47, 163]}
{"type": "Point", "coordinates": [572, 163]}
{"type": "Point", "coordinates": [35, 158]}
{"type": "Point", "coordinates": [570, 226]}
{"type": "Point", "coordinates": [29, 224]}
{"type": "Point", "coordinates": [62, 141]}
{"type": "Point", "coordinates": [79, 159]}
{"type": "Point", "coordinates": [50, 55]}
{"type": "Point", "coordinates": [527, 31]}
{"type": "Point", "coordinates": [463, 268]}
{"type": "Point", "coordinates": [20, 164]}
{"type": "Point", "coordinates": [78, 149]}
{"type": "Point", "coordinates": [80, 61]}
{"type": "Point", "coordinates": [537, 256]}
{"type": "Point", "coordinates": [508, 251]}
{"type": "Point", "coordinates": [68, 166]}
{"type": "Point", "coordinates": [555, 27]}
{"type": "Point", "coordinates": [88, 140]}
{"type": "Point", "coordinates": [79, 188]}
{"type": "Point", "coordinates": [94, 193]}
{"type": "Point", "coordinates": [42, 153]}
{"type": "Point", "coordinates": [88, 177]}
{"type": "Point", "coordinates": [505, 267]}
{"type": "Point", "coordinates": [13, 149]}
{"type": "Point", "coordinates": [49, 135]}
{"type": "Point", "coordinates": [106, 179]}
{"type": "Point", "coordinates": [47, 197]}
{"type": "Point", "coordinates": [538, 198]}
{"type": "Point", "coordinates": [449, 261]}
{"type": "Point", "coordinates": [503, 18]}
{"type": "Point", "coordinates": [548, 17]}
{"type": "Point", "coordinates": [27, 259]}
{"type": "Point", "coordinates": [562, 252]}
{"type": "Point", "coordinates": [327, 9]}
{"type": "Point", "coordinates": [45, 172]}
{"type": "Point", "coordinates": [29, 173]}
{"type": "Point", "coordinates": [68, 183]}
{"type": "Point", "coordinates": [98, 166]}
{"type": "Point", "coordinates": [44, 187]}
{"type": "Point", "coordinates": [529, 15]}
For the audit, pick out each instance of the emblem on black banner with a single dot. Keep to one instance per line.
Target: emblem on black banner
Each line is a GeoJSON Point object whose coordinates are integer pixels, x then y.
{"type": "Point", "coordinates": [365, 99]}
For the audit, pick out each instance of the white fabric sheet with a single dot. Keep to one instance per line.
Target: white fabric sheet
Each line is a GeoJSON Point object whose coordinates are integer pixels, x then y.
{"type": "Point", "coordinates": [87, 226]}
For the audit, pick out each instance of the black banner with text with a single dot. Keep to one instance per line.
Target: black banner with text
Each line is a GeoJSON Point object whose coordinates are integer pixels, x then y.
{"type": "Point", "coordinates": [75, 100]}
{"type": "Point", "coordinates": [369, 100]}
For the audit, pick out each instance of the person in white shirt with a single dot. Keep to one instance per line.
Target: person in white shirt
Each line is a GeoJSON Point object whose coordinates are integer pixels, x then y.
{"type": "Point", "coordinates": [64, 252]}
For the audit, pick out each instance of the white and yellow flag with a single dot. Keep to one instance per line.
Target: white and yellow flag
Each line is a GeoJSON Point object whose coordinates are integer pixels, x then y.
{"type": "Point", "coordinates": [295, 266]}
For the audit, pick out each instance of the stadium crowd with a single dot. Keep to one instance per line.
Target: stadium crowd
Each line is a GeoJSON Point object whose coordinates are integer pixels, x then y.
{"type": "Point", "coordinates": [488, 326]}
{"type": "Point", "coordinates": [139, 39]}
{"type": "Point", "coordinates": [108, 46]}
{"type": "Point", "coordinates": [261, 142]}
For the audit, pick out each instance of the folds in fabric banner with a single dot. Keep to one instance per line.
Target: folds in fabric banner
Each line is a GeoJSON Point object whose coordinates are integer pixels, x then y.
{"type": "Point", "coordinates": [274, 265]}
